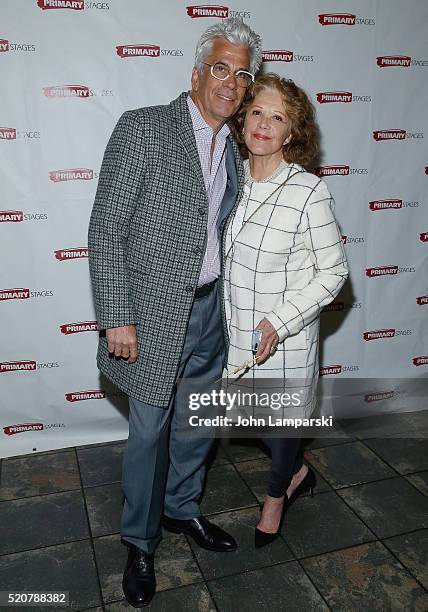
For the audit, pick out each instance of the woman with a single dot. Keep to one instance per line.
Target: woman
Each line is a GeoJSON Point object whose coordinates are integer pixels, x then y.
{"type": "Point", "coordinates": [284, 262]}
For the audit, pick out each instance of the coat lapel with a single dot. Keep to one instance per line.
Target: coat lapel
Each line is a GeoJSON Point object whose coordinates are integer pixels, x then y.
{"type": "Point", "coordinates": [235, 181]}
{"type": "Point", "coordinates": [186, 135]}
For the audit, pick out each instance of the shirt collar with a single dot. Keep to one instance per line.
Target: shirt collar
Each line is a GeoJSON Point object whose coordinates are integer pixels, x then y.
{"type": "Point", "coordinates": [199, 122]}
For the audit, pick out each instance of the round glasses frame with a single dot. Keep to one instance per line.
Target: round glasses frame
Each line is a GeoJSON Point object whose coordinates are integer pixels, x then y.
{"type": "Point", "coordinates": [243, 77]}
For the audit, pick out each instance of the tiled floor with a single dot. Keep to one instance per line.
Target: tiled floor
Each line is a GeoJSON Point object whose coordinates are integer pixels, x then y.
{"type": "Point", "coordinates": [359, 544]}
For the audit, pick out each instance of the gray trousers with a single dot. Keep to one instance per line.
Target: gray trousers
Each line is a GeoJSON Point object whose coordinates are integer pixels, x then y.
{"type": "Point", "coordinates": [163, 471]}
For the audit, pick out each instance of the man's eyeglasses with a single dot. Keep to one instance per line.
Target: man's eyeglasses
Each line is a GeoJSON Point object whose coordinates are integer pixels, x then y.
{"type": "Point", "coordinates": [222, 72]}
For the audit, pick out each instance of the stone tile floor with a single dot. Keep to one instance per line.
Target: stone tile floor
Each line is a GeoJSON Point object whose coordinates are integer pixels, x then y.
{"type": "Point", "coordinates": [360, 543]}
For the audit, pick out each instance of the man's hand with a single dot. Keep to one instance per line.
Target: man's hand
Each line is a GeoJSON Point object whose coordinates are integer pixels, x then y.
{"type": "Point", "coordinates": [268, 342]}
{"type": "Point", "coordinates": [122, 342]}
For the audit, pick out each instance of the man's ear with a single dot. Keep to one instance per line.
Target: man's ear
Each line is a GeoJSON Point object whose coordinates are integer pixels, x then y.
{"type": "Point", "coordinates": [195, 80]}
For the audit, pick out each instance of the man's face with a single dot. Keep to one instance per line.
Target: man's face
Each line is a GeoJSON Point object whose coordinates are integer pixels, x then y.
{"type": "Point", "coordinates": [219, 100]}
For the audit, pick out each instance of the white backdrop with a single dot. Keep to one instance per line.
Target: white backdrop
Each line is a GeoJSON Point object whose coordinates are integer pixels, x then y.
{"type": "Point", "coordinates": [69, 68]}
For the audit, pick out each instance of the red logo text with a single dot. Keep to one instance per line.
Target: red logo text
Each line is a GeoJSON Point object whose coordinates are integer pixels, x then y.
{"type": "Point", "coordinates": [138, 50]}
{"type": "Point", "coordinates": [77, 328]}
{"type": "Point", "coordinates": [384, 61]}
{"type": "Point", "coordinates": [205, 10]}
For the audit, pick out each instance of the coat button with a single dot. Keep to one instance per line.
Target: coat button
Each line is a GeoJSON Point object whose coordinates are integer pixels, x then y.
{"type": "Point", "coordinates": [189, 289]}
{"type": "Point", "coordinates": [202, 210]}
{"type": "Point", "coordinates": [197, 250]}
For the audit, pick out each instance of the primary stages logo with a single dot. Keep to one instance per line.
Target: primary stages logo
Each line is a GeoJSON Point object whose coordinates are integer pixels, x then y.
{"type": "Point", "coordinates": [345, 19]}
{"type": "Point", "coordinates": [388, 271]}
{"type": "Point", "coordinates": [334, 370]}
{"type": "Point", "coordinates": [66, 91]}
{"type": "Point", "coordinates": [11, 430]}
{"type": "Point", "coordinates": [385, 61]}
{"type": "Point", "coordinates": [145, 50]}
{"type": "Point", "coordinates": [346, 97]}
{"type": "Point", "coordinates": [218, 12]}
{"type": "Point", "coordinates": [341, 306]}
{"type": "Point", "coordinates": [422, 360]}
{"type": "Point", "coordinates": [22, 293]}
{"type": "Point", "coordinates": [7, 133]}
{"type": "Point", "coordinates": [379, 396]}
{"type": "Point", "coordinates": [138, 50]}
{"type": "Point", "coordinates": [422, 300]}
{"type": "Point", "coordinates": [67, 254]}
{"type": "Point", "coordinates": [82, 396]}
{"type": "Point", "coordinates": [11, 216]}
{"type": "Point", "coordinates": [389, 135]}
{"type": "Point", "coordinates": [73, 174]}
{"type": "Point", "coordinates": [331, 369]}
{"type": "Point", "coordinates": [379, 334]}
{"type": "Point", "coordinates": [423, 237]}
{"type": "Point", "coordinates": [325, 97]}
{"type": "Point", "coordinates": [77, 328]}
{"type": "Point", "coordinates": [73, 5]}
{"type": "Point", "coordinates": [17, 366]}
{"type": "Point", "coordinates": [17, 216]}
{"type": "Point", "coordinates": [392, 134]}
{"type": "Point", "coordinates": [79, 396]}
{"type": "Point", "coordinates": [339, 170]}
{"type": "Point", "coordinates": [6, 46]}
{"type": "Point", "coordinates": [399, 61]}
{"type": "Point", "coordinates": [392, 204]}
{"type": "Point", "coordinates": [14, 294]}
{"type": "Point", "coordinates": [205, 10]}
{"type": "Point", "coordinates": [381, 271]}
{"type": "Point", "coordinates": [281, 55]}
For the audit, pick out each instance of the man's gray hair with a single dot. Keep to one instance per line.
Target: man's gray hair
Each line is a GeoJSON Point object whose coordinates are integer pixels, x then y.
{"type": "Point", "coordinates": [237, 33]}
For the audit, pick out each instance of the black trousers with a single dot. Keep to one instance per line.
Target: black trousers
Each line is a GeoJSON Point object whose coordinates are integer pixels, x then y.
{"type": "Point", "coordinates": [287, 459]}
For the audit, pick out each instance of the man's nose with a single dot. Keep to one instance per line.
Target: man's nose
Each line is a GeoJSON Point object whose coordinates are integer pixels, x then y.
{"type": "Point", "coordinates": [231, 81]}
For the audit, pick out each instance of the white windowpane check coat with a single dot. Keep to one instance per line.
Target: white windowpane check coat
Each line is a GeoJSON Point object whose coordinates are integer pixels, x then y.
{"type": "Point", "coordinates": [284, 260]}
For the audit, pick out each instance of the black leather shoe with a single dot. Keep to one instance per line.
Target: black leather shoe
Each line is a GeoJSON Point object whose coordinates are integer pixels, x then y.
{"type": "Point", "coordinates": [206, 534]}
{"type": "Point", "coordinates": [139, 581]}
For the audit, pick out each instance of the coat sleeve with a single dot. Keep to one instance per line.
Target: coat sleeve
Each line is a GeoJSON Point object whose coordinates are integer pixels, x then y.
{"type": "Point", "coordinates": [118, 189]}
{"type": "Point", "coordinates": [323, 241]}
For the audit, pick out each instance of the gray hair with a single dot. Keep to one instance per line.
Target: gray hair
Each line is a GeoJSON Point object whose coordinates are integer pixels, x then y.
{"type": "Point", "coordinates": [237, 33]}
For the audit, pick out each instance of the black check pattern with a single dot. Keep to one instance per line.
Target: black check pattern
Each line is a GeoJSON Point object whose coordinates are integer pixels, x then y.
{"type": "Point", "coordinates": [286, 262]}
{"type": "Point", "coordinates": [147, 237]}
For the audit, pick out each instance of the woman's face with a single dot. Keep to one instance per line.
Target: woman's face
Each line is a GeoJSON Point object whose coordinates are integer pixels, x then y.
{"type": "Point", "coordinates": [267, 126]}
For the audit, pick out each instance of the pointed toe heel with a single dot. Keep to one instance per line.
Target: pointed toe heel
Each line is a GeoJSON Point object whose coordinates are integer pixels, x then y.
{"type": "Point", "coordinates": [261, 538]}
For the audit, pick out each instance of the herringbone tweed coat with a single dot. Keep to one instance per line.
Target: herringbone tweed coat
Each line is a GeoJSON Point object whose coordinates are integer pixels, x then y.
{"type": "Point", "coordinates": [147, 237]}
{"type": "Point", "coordinates": [285, 263]}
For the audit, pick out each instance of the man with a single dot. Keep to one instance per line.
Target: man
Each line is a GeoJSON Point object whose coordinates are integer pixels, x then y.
{"type": "Point", "coordinates": [170, 177]}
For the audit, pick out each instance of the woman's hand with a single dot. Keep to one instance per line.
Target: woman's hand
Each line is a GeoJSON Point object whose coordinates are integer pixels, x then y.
{"type": "Point", "coordinates": [268, 342]}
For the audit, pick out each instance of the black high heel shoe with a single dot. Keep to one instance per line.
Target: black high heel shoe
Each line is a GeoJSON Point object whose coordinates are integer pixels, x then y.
{"type": "Point", "coordinates": [262, 538]}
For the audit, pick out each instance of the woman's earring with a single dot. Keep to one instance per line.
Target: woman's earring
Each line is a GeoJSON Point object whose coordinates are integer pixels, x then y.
{"type": "Point", "coordinates": [287, 141]}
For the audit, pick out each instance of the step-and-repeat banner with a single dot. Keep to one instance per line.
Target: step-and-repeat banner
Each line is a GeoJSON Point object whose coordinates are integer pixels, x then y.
{"type": "Point", "coordinates": [69, 68]}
